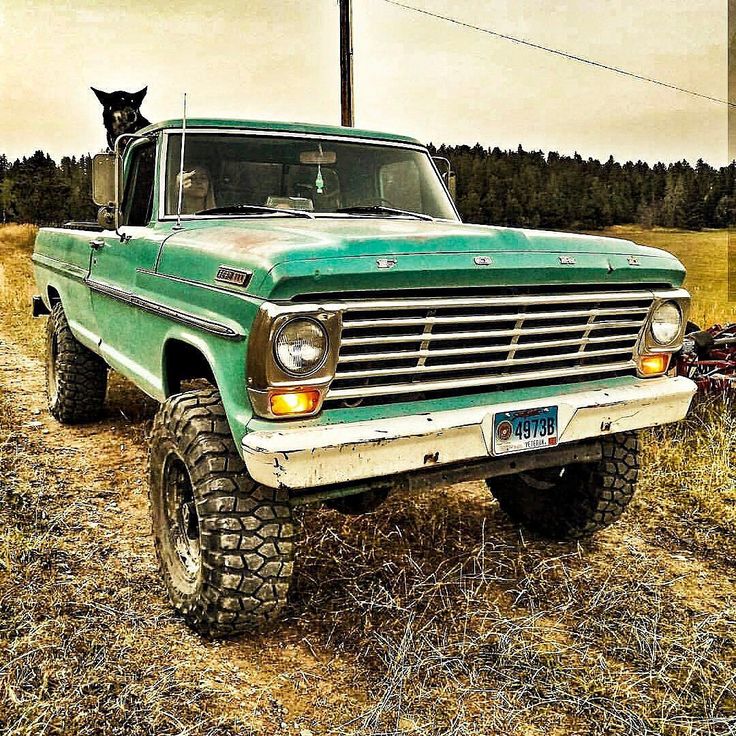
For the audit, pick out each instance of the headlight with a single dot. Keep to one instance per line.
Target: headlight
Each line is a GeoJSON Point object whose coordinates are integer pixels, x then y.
{"type": "Point", "coordinates": [666, 322]}
{"type": "Point", "coordinates": [301, 346]}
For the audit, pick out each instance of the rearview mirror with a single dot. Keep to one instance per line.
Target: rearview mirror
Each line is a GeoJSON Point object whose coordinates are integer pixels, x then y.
{"type": "Point", "coordinates": [317, 157]}
{"type": "Point", "coordinates": [103, 178]}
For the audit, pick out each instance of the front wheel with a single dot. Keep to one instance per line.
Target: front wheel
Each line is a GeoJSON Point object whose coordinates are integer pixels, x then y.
{"type": "Point", "coordinates": [225, 544]}
{"type": "Point", "coordinates": [573, 501]}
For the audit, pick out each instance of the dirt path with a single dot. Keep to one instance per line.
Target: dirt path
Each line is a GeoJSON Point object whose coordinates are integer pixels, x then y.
{"type": "Point", "coordinates": [259, 682]}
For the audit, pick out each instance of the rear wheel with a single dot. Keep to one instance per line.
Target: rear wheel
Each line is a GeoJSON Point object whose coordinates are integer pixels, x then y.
{"type": "Point", "coordinates": [76, 378]}
{"type": "Point", "coordinates": [575, 500]}
{"type": "Point", "coordinates": [225, 544]}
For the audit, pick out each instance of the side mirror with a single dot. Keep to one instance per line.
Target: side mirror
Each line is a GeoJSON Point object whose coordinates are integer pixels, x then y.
{"type": "Point", "coordinates": [103, 178]}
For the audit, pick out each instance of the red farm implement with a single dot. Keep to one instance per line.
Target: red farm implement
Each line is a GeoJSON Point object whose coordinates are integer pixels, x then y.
{"type": "Point", "coordinates": [708, 357]}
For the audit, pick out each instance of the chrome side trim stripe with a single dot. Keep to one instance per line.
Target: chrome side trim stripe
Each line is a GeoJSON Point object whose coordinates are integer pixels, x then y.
{"type": "Point", "coordinates": [185, 318]}
{"type": "Point", "coordinates": [238, 294]}
{"type": "Point", "coordinates": [61, 267]}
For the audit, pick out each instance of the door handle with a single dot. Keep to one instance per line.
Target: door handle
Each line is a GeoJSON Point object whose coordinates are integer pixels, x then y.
{"type": "Point", "coordinates": [97, 243]}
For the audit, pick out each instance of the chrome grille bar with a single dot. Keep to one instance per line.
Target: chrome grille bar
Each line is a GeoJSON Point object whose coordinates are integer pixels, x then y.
{"type": "Point", "coordinates": [461, 383]}
{"type": "Point", "coordinates": [471, 319]}
{"type": "Point", "coordinates": [479, 335]}
{"type": "Point", "coordinates": [491, 301]}
{"type": "Point", "coordinates": [402, 354]}
{"type": "Point", "coordinates": [475, 365]}
{"type": "Point", "coordinates": [393, 347]}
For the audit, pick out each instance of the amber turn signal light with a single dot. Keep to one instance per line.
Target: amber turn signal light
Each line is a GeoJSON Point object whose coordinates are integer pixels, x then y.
{"type": "Point", "coordinates": [294, 402]}
{"type": "Point", "coordinates": [654, 364]}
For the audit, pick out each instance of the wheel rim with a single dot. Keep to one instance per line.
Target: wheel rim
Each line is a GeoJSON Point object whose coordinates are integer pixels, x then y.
{"type": "Point", "coordinates": [51, 368]}
{"type": "Point", "coordinates": [182, 519]}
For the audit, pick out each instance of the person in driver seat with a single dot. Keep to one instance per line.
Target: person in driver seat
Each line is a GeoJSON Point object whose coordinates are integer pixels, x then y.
{"type": "Point", "coordinates": [197, 190]}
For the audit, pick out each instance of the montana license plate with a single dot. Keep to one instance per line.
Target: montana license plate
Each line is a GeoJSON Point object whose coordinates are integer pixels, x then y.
{"type": "Point", "coordinates": [526, 429]}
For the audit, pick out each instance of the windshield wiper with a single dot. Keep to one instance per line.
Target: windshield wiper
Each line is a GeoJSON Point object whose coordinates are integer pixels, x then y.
{"type": "Point", "coordinates": [234, 209]}
{"type": "Point", "coordinates": [379, 209]}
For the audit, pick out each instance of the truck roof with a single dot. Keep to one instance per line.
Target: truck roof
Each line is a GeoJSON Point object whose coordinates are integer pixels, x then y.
{"type": "Point", "coordinates": [281, 127]}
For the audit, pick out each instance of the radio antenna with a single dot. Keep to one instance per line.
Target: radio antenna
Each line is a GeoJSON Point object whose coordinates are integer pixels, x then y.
{"type": "Point", "coordinates": [181, 164]}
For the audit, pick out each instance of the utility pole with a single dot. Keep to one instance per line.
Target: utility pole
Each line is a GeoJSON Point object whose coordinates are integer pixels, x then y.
{"type": "Point", "coordinates": [346, 63]}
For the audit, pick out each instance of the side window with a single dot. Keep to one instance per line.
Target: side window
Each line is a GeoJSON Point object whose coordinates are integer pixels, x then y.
{"type": "Point", "coordinates": [138, 199]}
{"type": "Point", "coordinates": [400, 186]}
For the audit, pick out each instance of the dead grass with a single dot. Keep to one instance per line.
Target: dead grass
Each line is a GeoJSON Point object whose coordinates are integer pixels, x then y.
{"type": "Point", "coordinates": [17, 287]}
{"type": "Point", "coordinates": [705, 255]}
{"type": "Point", "coordinates": [431, 616]}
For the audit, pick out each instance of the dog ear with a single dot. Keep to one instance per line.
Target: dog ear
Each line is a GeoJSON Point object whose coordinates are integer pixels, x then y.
{"type": "Point", "coordinates": [138, 96]}
{"type": "Point", "coordinates": [103, 97]}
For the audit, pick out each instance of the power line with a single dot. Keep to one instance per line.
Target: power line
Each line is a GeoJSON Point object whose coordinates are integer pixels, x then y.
{"type": "Point", "coordinates": [557, 52]}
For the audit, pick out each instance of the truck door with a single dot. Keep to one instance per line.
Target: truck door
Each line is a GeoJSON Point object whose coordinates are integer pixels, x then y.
{"type": "Point", "coordinates": [113, 278]}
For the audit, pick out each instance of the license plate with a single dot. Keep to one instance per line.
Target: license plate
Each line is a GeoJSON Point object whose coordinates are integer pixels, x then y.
{"type": "Point", "coordinates": [526, 429]}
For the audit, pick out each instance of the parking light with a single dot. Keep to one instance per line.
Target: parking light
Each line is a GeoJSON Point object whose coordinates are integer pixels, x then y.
{"type": "Point", "coordinates": [653, 364]}
{"type": "Point", "coordinates": [294, 402]}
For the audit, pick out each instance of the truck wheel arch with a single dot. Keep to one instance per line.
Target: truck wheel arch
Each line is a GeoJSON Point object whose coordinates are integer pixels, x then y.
{"type": "Point", "coordinates": [183, 361]}
{"type": "Point", "coordinates": [52, 297]}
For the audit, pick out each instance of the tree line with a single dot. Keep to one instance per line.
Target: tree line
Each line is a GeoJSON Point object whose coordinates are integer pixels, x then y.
{"type": "Point", "coordinates": [35, 189]}
{"type": "Point", "coordinates": [530, 189]}
{"type": "Point", "coordinates": [494, 187]}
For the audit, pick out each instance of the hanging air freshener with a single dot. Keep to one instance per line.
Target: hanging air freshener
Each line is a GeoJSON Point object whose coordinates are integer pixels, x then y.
{"type": "Point", "coordinates": [319, 182]}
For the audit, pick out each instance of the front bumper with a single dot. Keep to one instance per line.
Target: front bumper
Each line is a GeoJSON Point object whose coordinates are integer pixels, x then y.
{"type": "Point", "coordinates": [309, 457]}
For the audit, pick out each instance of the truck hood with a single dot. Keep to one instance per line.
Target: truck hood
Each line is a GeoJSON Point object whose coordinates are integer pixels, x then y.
{"type": "Point", "coordinates": [298, 256]}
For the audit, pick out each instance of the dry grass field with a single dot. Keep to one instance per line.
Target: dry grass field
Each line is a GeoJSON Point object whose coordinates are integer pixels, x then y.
{"type": "Point", "coordinates": [431, 616]}
{"type": "Point", "coordinates": [705, 254]}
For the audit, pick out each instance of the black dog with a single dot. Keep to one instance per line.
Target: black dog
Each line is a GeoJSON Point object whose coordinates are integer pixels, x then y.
{"type": "Point", "coordinates": [121, 113]}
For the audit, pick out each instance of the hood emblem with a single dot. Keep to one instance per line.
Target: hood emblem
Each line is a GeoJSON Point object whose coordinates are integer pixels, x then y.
{"type": "Point", "coordinates": [228, 275]}
{"type": "Point", "coordinates": [482, 260]}
{"type": "Point", "coordinates": [633, 261]}
{"type": "Point", "coordinates": [385, 262]}
{"type": "Point", "coordinates": [567, 260]}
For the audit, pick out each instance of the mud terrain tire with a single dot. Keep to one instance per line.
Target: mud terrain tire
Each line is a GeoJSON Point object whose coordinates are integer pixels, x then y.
{"type": "Point", "coordinates": [225, 544]}
{"type": "Point", "coordinates": [576, 500]}
{"type": "Point", "coordinates": [76, 378]}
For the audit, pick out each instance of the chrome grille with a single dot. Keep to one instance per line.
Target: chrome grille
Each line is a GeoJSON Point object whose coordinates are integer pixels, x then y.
{"type": "Point", "coordinates": [394, 347]}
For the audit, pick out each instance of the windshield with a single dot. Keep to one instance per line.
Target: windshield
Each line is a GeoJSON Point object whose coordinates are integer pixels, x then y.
{"type": "Point", "coordinates": [246, 175]}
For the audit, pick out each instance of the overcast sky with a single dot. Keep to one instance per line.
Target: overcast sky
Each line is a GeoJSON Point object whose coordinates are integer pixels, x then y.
{"type": "Point", "coordinates": [278, 59]}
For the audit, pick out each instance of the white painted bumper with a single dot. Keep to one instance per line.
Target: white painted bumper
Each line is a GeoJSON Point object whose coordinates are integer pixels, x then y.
{"type": "Point", "coordinates": [308, 457]}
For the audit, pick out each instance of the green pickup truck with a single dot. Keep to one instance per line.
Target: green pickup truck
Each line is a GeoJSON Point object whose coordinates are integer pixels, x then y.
{"type": "Point", "coordinates": [320, 327]}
